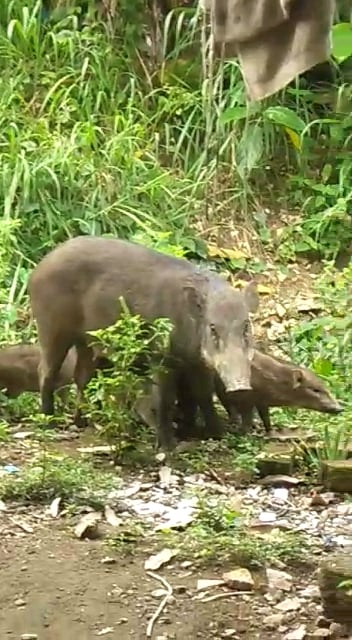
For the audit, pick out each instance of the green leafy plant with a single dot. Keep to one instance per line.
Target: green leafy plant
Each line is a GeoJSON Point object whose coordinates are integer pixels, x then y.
{"type": "Point", "coordinates": [134, 350]}
{"type": "Point", "coordinates": [53, 475]}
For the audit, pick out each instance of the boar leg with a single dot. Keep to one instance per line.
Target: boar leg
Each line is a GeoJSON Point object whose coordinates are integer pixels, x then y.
{"type": "Point", "coordinates": [195, 389]}
{"type": "Point", "coordinates": [264, 414]}
{"type": "Point", "coordinates": [52, 356]}
{"type": "Point", "coordinates": [246, 413]}
{"type": "Point", "coordinates": [204, 387]}
{"type": "Point", "coordinates": [233, 409]}
{"type": "Point", "coordinates": [84, 371]}
{"type": "Point", "coordinates": [165, 408]}
{"type": "Point", "coordinates": [187, 406]}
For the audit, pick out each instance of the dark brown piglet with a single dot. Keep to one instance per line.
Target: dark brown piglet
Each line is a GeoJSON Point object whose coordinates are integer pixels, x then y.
{"type": "Point", "coordinates": [277, 383]}
{"type": "Point", "coordinates": [19, 369]}
{"type": "Point", "coordinates": [77, 288]}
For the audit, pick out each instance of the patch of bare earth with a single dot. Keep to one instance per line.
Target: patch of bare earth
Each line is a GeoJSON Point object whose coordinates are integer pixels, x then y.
{"type": "Point", "coordinates": [56, 588]}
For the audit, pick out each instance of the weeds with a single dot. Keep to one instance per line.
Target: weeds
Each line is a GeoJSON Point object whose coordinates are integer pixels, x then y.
{"type": "Point", "coordinates": [134, 352]}
{"type": "Point", "coordinates": [334, 444]}
{"type": "Point", "coordinates": [236, 455]}
{"type": "Point", "coordinates": [219, 535]}
{"type": "Point", "coordinates": [52, 476]}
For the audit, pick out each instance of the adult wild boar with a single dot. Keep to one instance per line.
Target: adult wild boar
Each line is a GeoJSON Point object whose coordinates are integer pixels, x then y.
{"type": "Point", "coordinates": [77, 287]}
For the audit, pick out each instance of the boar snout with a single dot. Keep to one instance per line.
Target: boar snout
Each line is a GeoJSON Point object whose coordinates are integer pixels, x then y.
{"type": "Point", "coordinates": [235, 379]}
{"type": "Point", "coordinates": [234, 386]}
{"type": "Point", "coordinates": [334, 408]}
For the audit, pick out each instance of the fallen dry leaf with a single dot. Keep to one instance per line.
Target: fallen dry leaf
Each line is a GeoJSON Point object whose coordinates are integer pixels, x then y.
{"type": "Point", "coordinates": [156, 561]}
{"type": "Point", "coordinates": [111, 517]}
{"type": "Point", "coordinates": [54, 507]}
{"type": "Point", "coordinates": [179, 519]}
{"type": "Point", "coordinates": [22, 525]}
{"type": "Point", "coordinates": [209, 584]}
{"type": "Point", "coordinates": [88, 525]}
{"type": "Point", "coordinates": [262, 288]}
{"type": "Point", "coordinates": [280, 493]}
{"type": "Point", "coordinates": [230, 254]}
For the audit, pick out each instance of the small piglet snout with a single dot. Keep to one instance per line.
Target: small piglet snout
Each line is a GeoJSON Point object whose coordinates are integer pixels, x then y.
{"type": "Point", "coordinates": [337, 408]}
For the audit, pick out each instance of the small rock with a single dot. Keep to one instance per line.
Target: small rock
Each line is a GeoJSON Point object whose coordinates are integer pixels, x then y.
{"type": "Point", "coordinates": [87, 527]}
{"type": "Point", "coordinates": [290, 604]}
{"type": "Point", "coordinates": [323, 623]}
{"type": "Point", "coordinates": [297, 634]}
{"type": "Point", "coordinates": [312, 592]}
{"type": "Point", "coordinates": [338, 630]}
{"type": "Point", "coordinates": [273, 621]}
{"type": "Point", "coordinates": [20, 602]}
{"type": "Point", "coordinates": [108, 560]}
{"type": "Point", "coordinates": [318, 633]}
{"type": "Point", "coordinates": [278, 580]}
{"type": "Point", "coordinates": [229, 633]}
{"type": "Point", "coordinates": [321, 499]}
{"type": "Point", "coordinates": [290, 617]}
{"type": "Point", "coordinates": [29, 636]}
{"type": "Point", "coordinates": [240, 579]}
{"type": "Point", "coordinates": [180, 588]}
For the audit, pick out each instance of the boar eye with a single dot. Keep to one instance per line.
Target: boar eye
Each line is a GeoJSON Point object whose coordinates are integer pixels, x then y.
{"type": "Point", "coordinates": [316, 390]}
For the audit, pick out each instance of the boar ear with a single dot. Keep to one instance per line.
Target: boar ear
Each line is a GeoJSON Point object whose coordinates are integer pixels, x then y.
{"type": "Point", "coordinates": [194, 297]}
{"type": "Point", "coordinates": [297, 378]}
{"type": "Point", "coordinates": [251, 296]}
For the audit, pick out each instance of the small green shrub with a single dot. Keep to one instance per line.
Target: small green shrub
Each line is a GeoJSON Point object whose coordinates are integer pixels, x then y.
{"type": "Point", "coordinates": [135, 350]}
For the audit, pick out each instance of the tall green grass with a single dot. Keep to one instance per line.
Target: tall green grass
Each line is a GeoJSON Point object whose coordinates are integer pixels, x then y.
{"type": "Point", "coordinates": [102, 133]}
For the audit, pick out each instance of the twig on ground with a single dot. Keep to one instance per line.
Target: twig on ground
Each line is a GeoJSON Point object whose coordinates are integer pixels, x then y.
{"type": "Point", "coordinates": [225, 595]}
{"type": "Point", "coordinates": [162, 604]}
{"type": "Point", "coordinates": [215, 476]}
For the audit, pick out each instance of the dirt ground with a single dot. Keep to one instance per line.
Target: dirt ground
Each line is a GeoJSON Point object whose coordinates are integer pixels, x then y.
{"type": "Point", "coordinates": [57, 588]}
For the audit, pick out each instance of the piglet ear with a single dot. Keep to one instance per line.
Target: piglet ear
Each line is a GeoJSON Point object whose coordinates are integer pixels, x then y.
{"type": "Point", "coordinates": [297, 378]}
{"type": "Point", "coordinates": [251, 297]}
{"type": "Point", "coordinates": [195, 298]}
